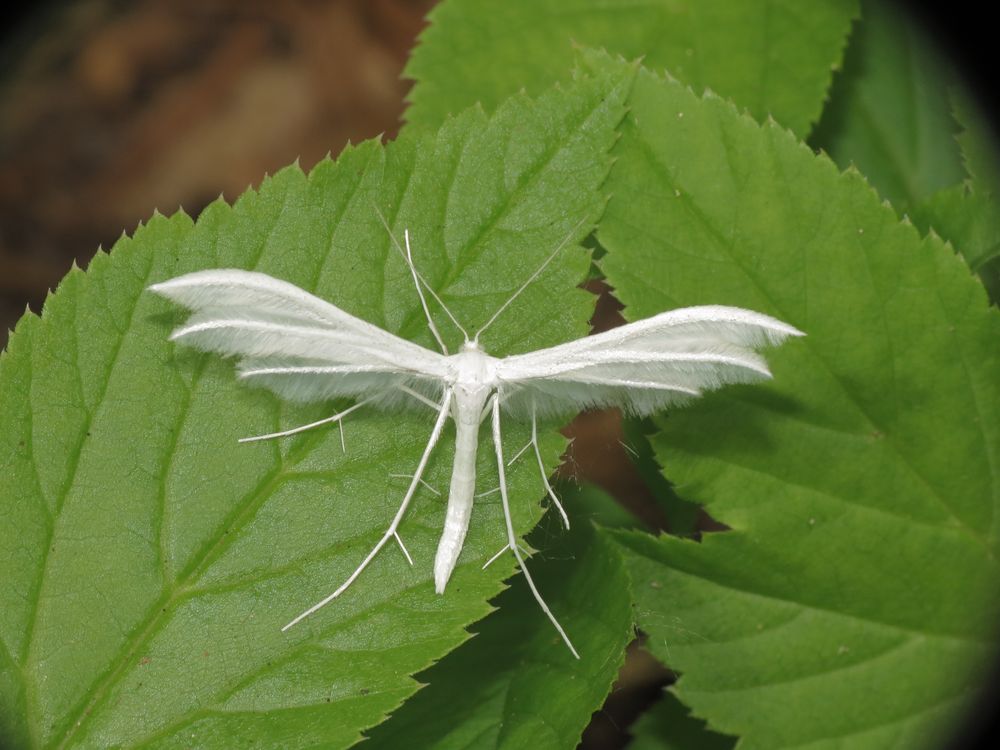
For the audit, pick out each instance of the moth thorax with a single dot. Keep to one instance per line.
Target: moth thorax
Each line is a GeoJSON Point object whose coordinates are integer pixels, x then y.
{"type": "Point", "coordinates": [473, 368]}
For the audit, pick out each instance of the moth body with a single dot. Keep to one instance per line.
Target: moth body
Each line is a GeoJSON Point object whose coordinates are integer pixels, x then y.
{"type": "Point", "coordinates": [472, 368]}
{"type": "Point", "coordinates": [306, 349]}
{"type": "Point", "coordinates": [473, 380]}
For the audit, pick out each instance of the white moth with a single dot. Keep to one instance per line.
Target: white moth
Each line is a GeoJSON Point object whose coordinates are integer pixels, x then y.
{"type": "Point", "coordinates": [305, 349]}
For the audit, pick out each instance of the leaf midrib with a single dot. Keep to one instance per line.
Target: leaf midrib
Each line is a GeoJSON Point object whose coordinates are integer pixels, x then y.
{"type": "Point", "coordinates": [150, 625]}
{"type": "Point", "coordinates": [176, 587]}
{"type": "Point", "coordinates": [31, 701]}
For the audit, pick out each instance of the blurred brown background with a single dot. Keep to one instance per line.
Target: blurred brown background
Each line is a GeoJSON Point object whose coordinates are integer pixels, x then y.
{"type": "Point", "coordinates": [111, 110]}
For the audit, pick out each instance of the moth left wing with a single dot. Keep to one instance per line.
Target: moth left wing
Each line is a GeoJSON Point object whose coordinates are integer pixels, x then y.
{"type": "Point", "coordinates": [292, 342]}
{"type": "Point", "coordinates": [644, 366]}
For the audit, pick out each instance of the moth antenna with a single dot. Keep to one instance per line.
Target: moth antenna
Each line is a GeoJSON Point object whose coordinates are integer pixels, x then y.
{"type": "Point", "coordinates": [531, 278]}
{"type": "Point", "coordinates": [418, 279]}
{"type": "Point", "coordinates": [423, 300]}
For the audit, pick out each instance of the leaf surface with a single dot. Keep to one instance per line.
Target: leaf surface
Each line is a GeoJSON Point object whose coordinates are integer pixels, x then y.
{"type": "Point", "coordinates": [854, 600]}
{"type": "Point", "coordinates": [150, 561]}
{"type": "Point", "coordinates": [668, 726]}
{"type": "Point", "coordinates": [772, 57]}
{"type": "Point", "coordinates": [889, 112]}
{"type": "Point", "coordinates": [509, 686]}
{"type": "Point", "coordinates": [968, 214]}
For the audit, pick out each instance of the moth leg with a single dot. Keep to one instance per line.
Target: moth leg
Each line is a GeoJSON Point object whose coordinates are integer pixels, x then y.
{"type": "Point", "coordinates": [419, 397]}
{"type": "Point", "coordinates": [496, 557]}
{"type": "Point", "coordinates": [629, 449]}
{"type": "Point", "coordinates": [511, 539]}
{"type": "Point", "coordinates": [303, 428]}
{"type": "Point", "coordinates": [423, 482]}
{"type": "Point", "coordinates": [511, 461]}
{"type": "Point", "coordinates": [533, 443]}
{"type": "Point", "coordinates": [519, 454]}
{"type": "Point", "coordinates": [402, 547]}
{"type": "Point", "coordinates": [541, 469]}
{"type": "Point", "coordinates": [391, 532]}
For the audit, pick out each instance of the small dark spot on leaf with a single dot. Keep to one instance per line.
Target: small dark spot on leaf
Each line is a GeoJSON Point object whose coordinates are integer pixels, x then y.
{"type": "Point", "coordinates": [144, 661]}
{"type": "Point", "coordinates": [365, 691]}
{"type": "Point", "coordinates": [204, 653]}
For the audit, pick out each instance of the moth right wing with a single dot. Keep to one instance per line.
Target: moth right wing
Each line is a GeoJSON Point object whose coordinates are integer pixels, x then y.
{"type": "Point", "coordinates": [294, 343]}
{"type": "Point", "coordinates": [644, 366]}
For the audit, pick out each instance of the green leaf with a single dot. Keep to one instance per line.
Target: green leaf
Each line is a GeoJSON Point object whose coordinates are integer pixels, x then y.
{"type": "Point", "coordinates": [968, 215]}
{"type": "Point", "coordinates": [772, 57]}
{"type": "Point", "coordinates": [510, 686]}
{"type": "Point", "coordinates": [977, 141]}
{"type": "Point", "coordinates": [682, 517]}
{"type": "Point", "coordinates": [970, 221]}
{"type": "Point", "coordinates": [667, 726]}
{"type": "Point", "coordinates": [854, 602]}
{"type": "Point", "coordinates": [149, 561]}
{"type": "Point", "coordinates": [889, 112]}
